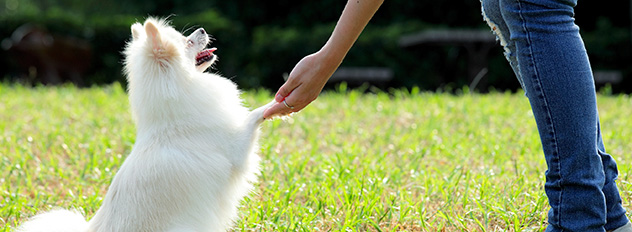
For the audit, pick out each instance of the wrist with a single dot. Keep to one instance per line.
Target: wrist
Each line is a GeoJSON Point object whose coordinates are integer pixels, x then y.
{"type": "Point", "coordinates": [330, 56]}
{"type": "Point", "coordinates": [328, 61]}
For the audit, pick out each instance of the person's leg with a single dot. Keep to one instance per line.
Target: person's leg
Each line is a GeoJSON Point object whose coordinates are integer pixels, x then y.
{"type": "Point", "coordinates": [544, 47]}
{"type": "Point", "coordinates": [615, 212]}
{"type": "Point", "coordinates": [494, 18]}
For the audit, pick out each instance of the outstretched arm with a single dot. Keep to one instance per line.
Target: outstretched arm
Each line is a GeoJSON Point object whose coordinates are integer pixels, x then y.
{"type": "Point", "coordinates": [310, 74]}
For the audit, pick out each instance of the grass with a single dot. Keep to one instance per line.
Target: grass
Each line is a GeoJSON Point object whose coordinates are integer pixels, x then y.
{"type": "Point", "coordinates": [399, 161]}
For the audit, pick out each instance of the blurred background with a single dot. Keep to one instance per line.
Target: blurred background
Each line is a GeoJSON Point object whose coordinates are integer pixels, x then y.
{"type": "Point", "coordinates": [435, 45]}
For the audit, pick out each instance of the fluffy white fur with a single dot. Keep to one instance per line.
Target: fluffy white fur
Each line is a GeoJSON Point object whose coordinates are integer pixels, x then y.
{"type": "Point", "coordinates": [194, 157]}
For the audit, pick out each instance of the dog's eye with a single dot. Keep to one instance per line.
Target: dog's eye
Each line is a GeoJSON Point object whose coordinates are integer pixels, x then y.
{"type": "Point", "coordinates": [190, 42]}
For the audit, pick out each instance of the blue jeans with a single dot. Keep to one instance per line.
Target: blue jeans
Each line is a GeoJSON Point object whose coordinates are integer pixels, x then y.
{"type": "Point", "coordinates": [545, 50]}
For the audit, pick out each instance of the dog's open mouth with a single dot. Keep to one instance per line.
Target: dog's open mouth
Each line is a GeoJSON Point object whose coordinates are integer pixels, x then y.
{"type": "Point", "coordinates": [204, 56]}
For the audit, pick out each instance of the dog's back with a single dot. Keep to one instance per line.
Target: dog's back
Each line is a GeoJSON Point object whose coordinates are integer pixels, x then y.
{"type": "Point", "coordinates": [191, 177]}
{"type": "Point", "coordinates": [55, 221]}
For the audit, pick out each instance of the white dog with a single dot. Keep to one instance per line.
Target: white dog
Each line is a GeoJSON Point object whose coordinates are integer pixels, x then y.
{"type": "Point", "coordinates": [194, 157]}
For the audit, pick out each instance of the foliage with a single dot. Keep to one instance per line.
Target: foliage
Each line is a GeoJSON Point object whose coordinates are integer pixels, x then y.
{"type": "Point", "coordinates": [384, 161]}
{"type": "Point", "coordinates": [611, 52]}
{"type": "Point", "coordinates": [258, 41]}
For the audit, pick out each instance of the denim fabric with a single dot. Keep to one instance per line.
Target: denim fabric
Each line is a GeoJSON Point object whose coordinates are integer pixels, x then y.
{"type": "Point", "coordinates": [544, 48]}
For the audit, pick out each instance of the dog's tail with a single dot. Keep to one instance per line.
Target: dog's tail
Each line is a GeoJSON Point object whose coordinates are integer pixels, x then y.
{"type": "Point", "coordinates": [55, 221]}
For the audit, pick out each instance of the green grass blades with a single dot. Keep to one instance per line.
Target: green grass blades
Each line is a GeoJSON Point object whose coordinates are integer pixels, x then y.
{"type": "Point", "coordinates": [386, 161]}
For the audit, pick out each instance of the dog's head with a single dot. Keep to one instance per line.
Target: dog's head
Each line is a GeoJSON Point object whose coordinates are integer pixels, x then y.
{"type": "Point", "coordinates": [162, 45]}
{"type": "Point", "coordinates": [161, 65]}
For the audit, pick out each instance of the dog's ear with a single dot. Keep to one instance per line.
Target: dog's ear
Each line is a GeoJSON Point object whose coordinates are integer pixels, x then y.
{"type": "Point", "coordinates": [136, 30]}
{"type": "Point", "coordinates": [153, 35]}
{"type": "Point", "coordinates": [162, 49]}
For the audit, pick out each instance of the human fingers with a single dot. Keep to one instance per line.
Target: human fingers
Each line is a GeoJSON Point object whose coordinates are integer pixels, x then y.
{"type": "Point", "coordinates": [285, 90]}
{"type": "Point", "coordinates": [277, 109]}
{"type": "Point", "coordinates": [294, 102]}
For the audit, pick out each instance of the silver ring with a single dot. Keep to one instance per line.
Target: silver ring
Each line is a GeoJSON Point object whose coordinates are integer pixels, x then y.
{"type": "Point", "coordinates": [286, 105]}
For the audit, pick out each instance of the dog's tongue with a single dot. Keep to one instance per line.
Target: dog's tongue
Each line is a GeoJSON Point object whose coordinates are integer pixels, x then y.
{"type": "Point", "coordinates": [204, 55]}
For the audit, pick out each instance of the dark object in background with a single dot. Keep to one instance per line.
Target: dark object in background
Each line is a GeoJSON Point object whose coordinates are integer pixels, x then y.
{"type": "Point", "coordinates": [357, 76]}
{"type": "Point", "coordinates": [42, 57]}
{"type": "Point", "coordinates": [477, 44]}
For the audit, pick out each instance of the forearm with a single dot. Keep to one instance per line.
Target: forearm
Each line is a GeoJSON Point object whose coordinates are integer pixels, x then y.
{"type": "Point", "coordinates": [354, 18]}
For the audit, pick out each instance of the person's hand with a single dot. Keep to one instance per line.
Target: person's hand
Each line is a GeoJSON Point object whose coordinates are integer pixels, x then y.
{"type": "Point", "coordinates": [305, 82]}
{"type": "Point", "coordinates": [310, 74]}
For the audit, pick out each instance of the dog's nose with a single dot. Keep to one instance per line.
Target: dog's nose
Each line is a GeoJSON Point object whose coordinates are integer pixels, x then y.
{"type": "Point", "coordinates": [202, 30]}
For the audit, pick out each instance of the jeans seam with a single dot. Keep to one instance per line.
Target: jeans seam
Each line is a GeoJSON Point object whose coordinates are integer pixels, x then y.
{"type": "Point", "coordinates": [549, 118]}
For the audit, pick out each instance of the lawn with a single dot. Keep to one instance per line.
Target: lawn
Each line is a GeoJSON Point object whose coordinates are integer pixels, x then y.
{"type": "Point", "coordinates": [386, 161]}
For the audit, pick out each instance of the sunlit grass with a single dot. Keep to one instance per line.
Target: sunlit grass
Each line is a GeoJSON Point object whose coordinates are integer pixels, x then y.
{"type": "Point", "coordinates": [396, 161]}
